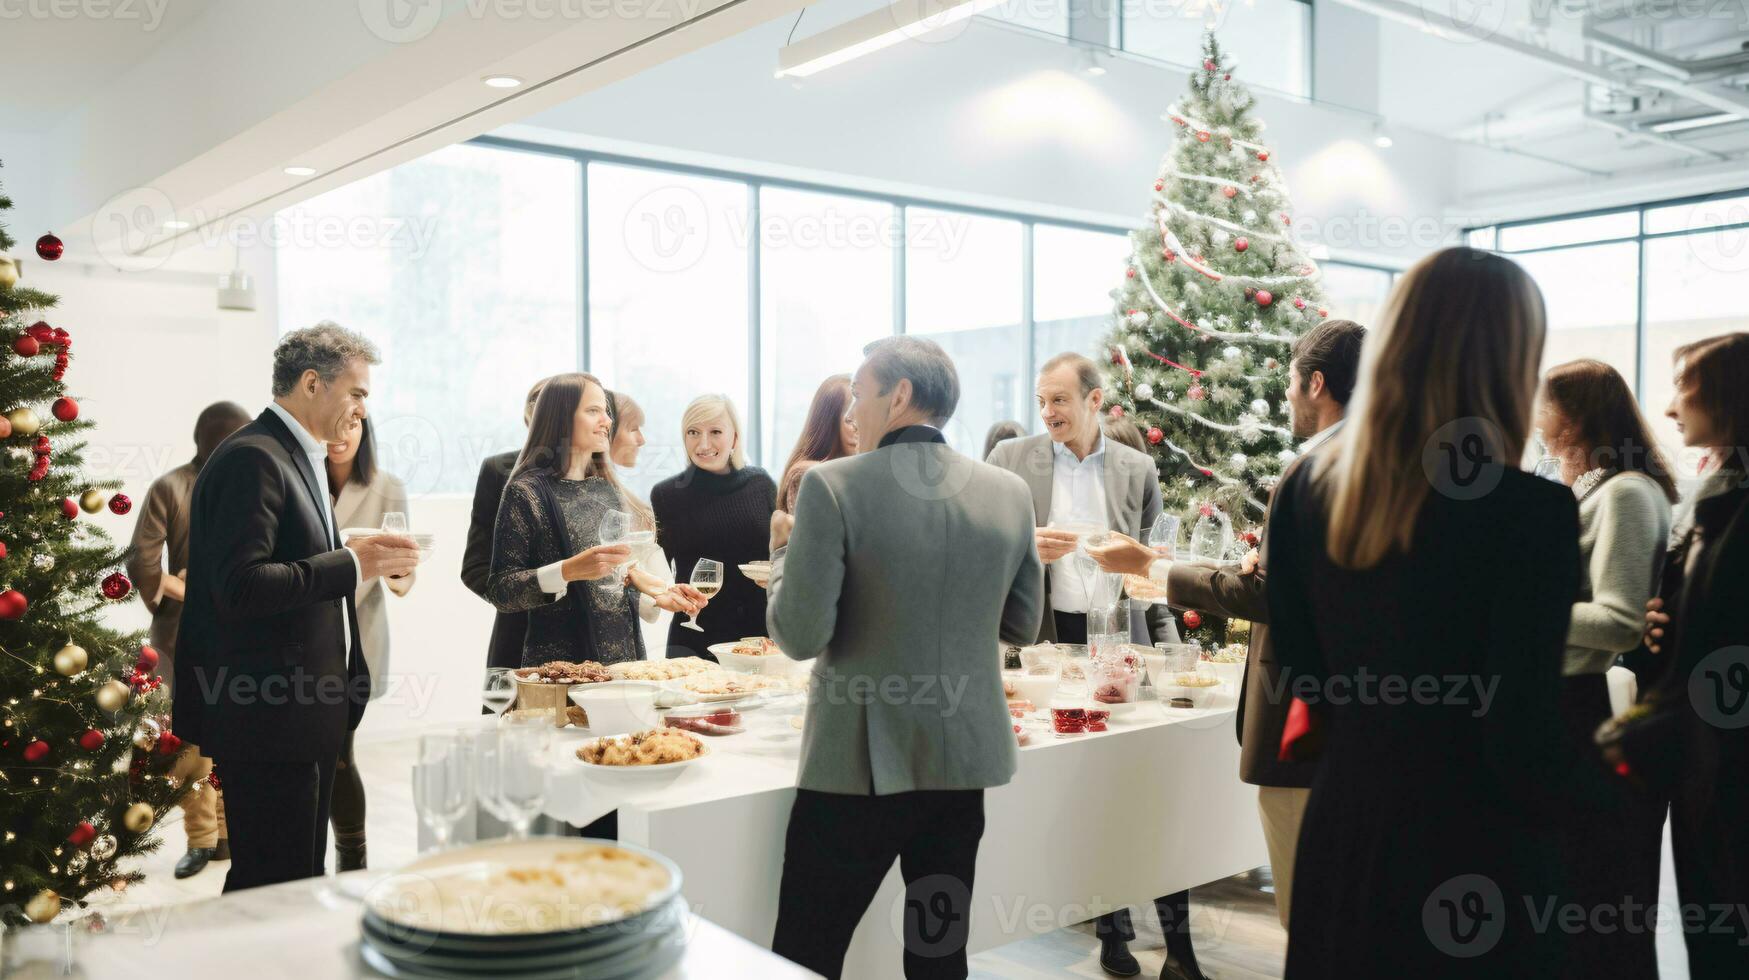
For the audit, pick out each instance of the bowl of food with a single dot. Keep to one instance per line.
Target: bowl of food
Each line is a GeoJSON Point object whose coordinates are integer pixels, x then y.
{"type": "Point", "coordinates": [1197, 687]}
{"type": "Point", "coordinates": [758, 571]}
{"type": "Point", "coordinates": [1037, 684]}
{"type": "Point", "coordinates": [647, 752]}
{"type": "Point", "coordinates": [750, 655]}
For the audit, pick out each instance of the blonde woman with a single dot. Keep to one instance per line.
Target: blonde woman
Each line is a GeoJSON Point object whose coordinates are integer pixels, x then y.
{"type": "Point", "coordinates": [1420, 588]}
{"type": "Point", "coordinates": [720, 508]}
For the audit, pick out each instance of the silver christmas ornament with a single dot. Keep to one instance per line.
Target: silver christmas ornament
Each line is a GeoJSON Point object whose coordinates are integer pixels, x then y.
{"type": "Point", "coordinates": [1260, 406]}
{"type": "Point", "coordinates": [103, 848]}
{"type": "Point", "coordinates": [1239, 460]}
{"type": "Point", "coordinates": [1144, 391]}
{"type": "Point", "coordinates": [42, 562]}
{"type": "Point", "coordinates": [1230, 351]}
{"type": "Point", "coordinates": [1139, 319]}
{"type": "Point", "coordinates": [1286, 455]}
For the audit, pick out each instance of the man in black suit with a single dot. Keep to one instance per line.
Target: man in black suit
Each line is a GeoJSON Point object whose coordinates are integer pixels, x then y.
{"type": "Point", "coordinates": [270, 675]}
{"type": "Point", "coordinates": [505, 647]}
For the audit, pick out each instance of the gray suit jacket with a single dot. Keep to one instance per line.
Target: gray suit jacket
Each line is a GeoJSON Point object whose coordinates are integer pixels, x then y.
{"type": "Point", "coordinates": [906, 566]}
{"type": "Point", "coordinates": [1132, 502]}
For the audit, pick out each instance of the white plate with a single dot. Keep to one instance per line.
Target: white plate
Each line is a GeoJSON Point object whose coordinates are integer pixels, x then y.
{"type": "Point", "coordinates": [641, 770]}
{"type": "Point", "coordinates": [758, 573]}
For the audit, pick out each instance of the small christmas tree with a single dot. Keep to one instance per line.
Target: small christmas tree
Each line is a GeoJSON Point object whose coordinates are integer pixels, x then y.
{"type": "Point", "coordinates": [1215, 295]}
{"type": "Point", "coordinates": [76, 698]}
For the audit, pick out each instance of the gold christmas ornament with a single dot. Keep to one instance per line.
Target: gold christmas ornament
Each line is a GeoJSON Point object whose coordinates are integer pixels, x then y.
{"type": "Point", "coordinates": [112, 696]}
{"type": "Point", "coordinates": [71, 659]}
{"type": "Point", "coordinates": [91, 501]}
{"type": "Point", "coordinates": [43, 906]}
{"type": "Point", "coordinates": [146, 736]}
{"type": "Point", "coordinates": [9, 272]}
{"type": "Point", "coordinates": [24, 422]}
{"type": "Point", "coordinates": [138, 818]}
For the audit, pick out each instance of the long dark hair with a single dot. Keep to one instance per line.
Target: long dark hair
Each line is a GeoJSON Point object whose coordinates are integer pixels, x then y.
{"type": "Point", "coordinates": [1718, 368]}
{"type": "Point", "coordinates": [1605, 421]}
{"type": "Point", "coordinates": [548, 449]}
{"type": "Point", "coordinates": [364, 464]}
{"type": "Point", "coordinates": [822, 435]}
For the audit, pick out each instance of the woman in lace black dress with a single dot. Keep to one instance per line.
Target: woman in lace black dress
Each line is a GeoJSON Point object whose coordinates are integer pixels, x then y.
{"type": "Point", "coordinates": [547, 559]}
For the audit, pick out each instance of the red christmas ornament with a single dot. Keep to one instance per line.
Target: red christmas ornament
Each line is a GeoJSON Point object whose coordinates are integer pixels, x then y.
{"type": "Point", "coordinates": [69, 509]}
{"type": "Point", "coordinates": [1299, 304]}
{"type": "Point", "coordinates": [1208, 65]}
{"type": "Point", "coordinates": [1192, 619]}
{"type": "Point", "coordinates": [1159, 185]}
{"type": "Point", "coordinates": [5, 427]}
{"type": "Point", "coordinates": [48, 248]}
{"type": "Point", "coordinates": [61, 335]}
{"type": "Point", "coordinates": [1227, 77]}
{"type": "Point", "coordinates": [1286, 219]}
{"type": "Point", "coordinates": [92, 740]}
{"type": "Point", "coordinates": [1230, 192]}
{"type": "Point", "coordinates": [1262, 156]}
{"type": "Point", "coordinates": [13, 604]}
{"type": "Point", "coordinates": [1196, 393]}
{"type": "Point", "coordinates": [1169, 256]}
{"type": "Point", "coordinates": [116, 586]}
{"type": "Point", "coordinates": [1155, 435]}
{"type": "Point", "coordinates": [1256, 177]}
{"type": "Point", "coordinates": [1116, 411]}
{"type": "Point", "coordinates": [2, 549]}
{"type": "Point", "coordinates": [1264, 298]}
{"type": "Point", "coordinates": [148, 658]}
{"type": "Point", "coordinates": [1202, 136]}
{"type": "Point", "coordinates": [43, 333]}
{"type": "Point", "coordinates": [83, 833]}
{"type": "Point", "coordinates": [26, 346]}
{"type": "Point", "coordinates": [39, 471]}
{"type": "Point", "coordinates": [1241, 243]}
{"type": "Point", "coordinates": [1323, 312]}
{"type": "Point", "coordinates": [120, 504]}
{"type": "Point", "coordinates": [34, 751]}
{"type": "Point", "coordinates": [42, 445]}
{"type": "Point", "coordinates": [168, 743]}
{"type": "Point", "coordinates": [65, 409]}
{"type": "Point", "coordinates": [1250, 538]}
{"type": "Point", "coordinates": [1130, 273]}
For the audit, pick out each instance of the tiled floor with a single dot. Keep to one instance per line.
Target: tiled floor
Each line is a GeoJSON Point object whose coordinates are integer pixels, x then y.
{"type": "Point", "coordinates": [1234, 921]}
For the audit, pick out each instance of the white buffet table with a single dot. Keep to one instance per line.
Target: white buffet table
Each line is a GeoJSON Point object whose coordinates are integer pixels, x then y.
{"type": "Point", "coordinates": [1089, 823]}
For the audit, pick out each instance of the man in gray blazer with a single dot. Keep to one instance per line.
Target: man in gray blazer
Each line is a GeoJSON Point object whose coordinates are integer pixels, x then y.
{"type": "Point", "coordinates": [1077, 476]}
{"type": "Point", "coordinates": [899, 573]}
{"type": "Point", "coordinates": [1321, 375]}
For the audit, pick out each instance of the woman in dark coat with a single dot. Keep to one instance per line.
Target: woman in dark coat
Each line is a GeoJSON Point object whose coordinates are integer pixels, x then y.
{"type": "Point", "coordinates": [719, 508]}
{"type": "Point", "coordinates": [1420, 591]}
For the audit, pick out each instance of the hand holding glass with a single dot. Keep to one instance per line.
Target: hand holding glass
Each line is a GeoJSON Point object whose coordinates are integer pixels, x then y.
{"type": "Point", "coordinates": [707, 578]}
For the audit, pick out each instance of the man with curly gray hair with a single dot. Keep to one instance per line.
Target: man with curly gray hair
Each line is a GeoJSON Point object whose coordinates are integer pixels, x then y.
{"type": "Point", "coordinates": [270, 675]}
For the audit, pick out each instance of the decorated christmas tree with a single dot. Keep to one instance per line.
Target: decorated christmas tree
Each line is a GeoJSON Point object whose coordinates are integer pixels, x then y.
{"type": "Point", "coordinates": [84, 757]}
{"type": "Point", "coordinates": [1215, 295]}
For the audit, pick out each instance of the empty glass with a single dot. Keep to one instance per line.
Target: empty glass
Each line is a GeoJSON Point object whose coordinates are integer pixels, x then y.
{"type": "Point", "coordinates": [707, 578]}
{"type": "Point", "coordinates": [488, 766]}
{"type": "Point", "coordinates": [443, 784]}
{"type": "Point", "coordinates": [500, 689]}
{"type": "Point", "coordinates": [522, 773]}
{"type": "Point", "coordinates": [395, 522]}
{"type": "Point", "coordinates": [1163, 536]}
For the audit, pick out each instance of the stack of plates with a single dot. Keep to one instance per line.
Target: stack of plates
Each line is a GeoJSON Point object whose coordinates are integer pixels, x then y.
{"type": "Point", "coordinates": [528, 909]}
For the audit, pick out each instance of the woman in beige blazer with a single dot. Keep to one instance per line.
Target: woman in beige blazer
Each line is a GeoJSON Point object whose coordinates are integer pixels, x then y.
{"type": "Point", "coordinates": [362, 494]}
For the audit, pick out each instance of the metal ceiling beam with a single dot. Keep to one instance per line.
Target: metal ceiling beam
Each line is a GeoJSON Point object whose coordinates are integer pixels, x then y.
{"type": "Point", "coordinates": [1655, 139]}
{"type": "Point", "coordinates": [1699, 69]}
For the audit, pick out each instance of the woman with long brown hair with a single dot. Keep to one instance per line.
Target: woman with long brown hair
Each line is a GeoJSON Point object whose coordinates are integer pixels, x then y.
{"type": "Point", "coordinates": [547, 558]}
{"type": "Point", "coordinates": [1611, 838]}
{"type": "Point", "coordinates": [827, 434]}
{"type": "Point", "coordinates": [1420, 587]}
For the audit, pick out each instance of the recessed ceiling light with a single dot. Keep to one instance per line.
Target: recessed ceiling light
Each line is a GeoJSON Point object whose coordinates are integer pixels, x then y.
{"type": "Point", "coordinates": [1090, 62]}
{"type": "Point", "coordinates": [174, 225]}
{"type": "Point", "coordinates": [300, 171]}
{"type": "Point", "coordinates": [1382, 141]}
{"type": "Point", "coordinates": [502, 81]}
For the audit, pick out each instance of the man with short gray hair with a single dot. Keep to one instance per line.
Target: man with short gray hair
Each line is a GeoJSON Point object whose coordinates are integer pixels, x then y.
{"type": "Point", "coordinates": [902, 568]}
{"type": "Point", "coordinates": [270, 675]}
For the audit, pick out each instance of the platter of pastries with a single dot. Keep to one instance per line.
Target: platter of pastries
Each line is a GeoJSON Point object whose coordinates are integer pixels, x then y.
{"type": "Point", "coordinates": [659, 670]}
{"type": "Point", "coordinates": [651, 750]}
{"type": "Point", "coordinates": [720, 685]}
{"type": "Point", "coordinates": [563, 672]}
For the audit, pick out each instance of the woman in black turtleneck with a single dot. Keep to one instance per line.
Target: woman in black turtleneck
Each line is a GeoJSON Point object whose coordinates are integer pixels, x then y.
{"type": "Point", "coordinates": [719, 508]}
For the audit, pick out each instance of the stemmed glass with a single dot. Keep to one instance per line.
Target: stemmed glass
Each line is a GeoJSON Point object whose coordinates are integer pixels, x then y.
{"type": "Point", "coordinates": [443, 784]}
{"type": "Point", "coordinates": [394, 522]}
{"type": "Point", "coordinates": [707, 578]}
{"type": "Point", "coordinates": [488, 770]}
{"type": "Point", "coordinates": [614, 526]}
{"type": "Point", "coordinates": [500, 689]}
{"type": "Point", "coordinates": [1163, 536]}
{"type": "Point", "coordinates": [522, 772]}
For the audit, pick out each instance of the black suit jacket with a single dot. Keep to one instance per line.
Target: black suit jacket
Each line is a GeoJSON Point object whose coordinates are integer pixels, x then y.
{"type": "Point", "coordinates": [264, 671]}
{"type": "Point", "coordinates": [508, 630]}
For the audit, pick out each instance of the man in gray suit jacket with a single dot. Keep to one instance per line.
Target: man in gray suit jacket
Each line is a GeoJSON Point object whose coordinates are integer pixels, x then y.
{"type": "Point", "coordinates": [901, 569]}
{"type": "Point", "coordinates": [1077, 476]}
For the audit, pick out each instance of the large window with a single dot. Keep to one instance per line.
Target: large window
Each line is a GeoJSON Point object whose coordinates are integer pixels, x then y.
{"type": "Point", "coordinates": [825, 290]}
{"type": "Point", "coordinates": [1693, 291]}
{"type": "Point", "coordinates": [668, 299]}
{"type": "Point", "coordinates": [1353, 292]}
{"type": "Point", "coordinates": [1073, 274]}
{"type": "Point", "coordinates": [462, 267]}
{"type": "Point", "coordinates": [1591, 294]}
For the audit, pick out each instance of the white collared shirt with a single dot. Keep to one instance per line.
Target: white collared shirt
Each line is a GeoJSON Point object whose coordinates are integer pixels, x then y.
{"type": "Point", "coordinates": [317, 451]}
{"type": "Point", "coordinates": [1077, 496]}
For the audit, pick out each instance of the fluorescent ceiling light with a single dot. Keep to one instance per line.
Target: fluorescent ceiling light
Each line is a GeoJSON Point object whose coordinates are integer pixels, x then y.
{"type": "Point", "coordinates": [872, 32]}
{"type": "Point", "coordinates": [502, 81]}
{"type": "Point", "coordinates": [1693, 122]}
{"type": "Point", "coordinates": [300, 171]}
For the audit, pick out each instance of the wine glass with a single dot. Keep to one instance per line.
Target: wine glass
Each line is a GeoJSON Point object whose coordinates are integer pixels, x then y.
{"type": "Point", "coordinates": [500, 689]}
{"type": "Point", "coordinates": [395, 522]}
{"type": "Point", "coordinates": [1163, 536]}
{"type": "Point", "coordinates": [488, 771]}
{"type": "Point", "coordinates": [523, 775]}
{"type": "Point", "coordinates": [616, 528]}
{"type": "Point", "coordinates": [443, 784]}
{"type": "Point", "coordinates": [707, 578]}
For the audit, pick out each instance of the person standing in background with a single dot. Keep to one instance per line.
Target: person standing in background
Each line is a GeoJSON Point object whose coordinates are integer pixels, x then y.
{"type": "Point", "coordinates": [1420, 589]}
{"type": "Point", "coordinates": [1124, 433]}
{"type": "Point", "coordinates": [504, 649]}
{"type": "Point", "coordinates": [1005, 429]}
{"type": "Point", "coordinates": [158, 564]}
{"type": "Point", "coordinates": [270, 674]}
{"type": "Point", "coordinates": [655, 593]}
{"type": "Point", "coordinates": [1322, 371]}
{"type": "Point", "coordinates": [719, 508]}
{"type": "Point", "coordinates": [902, 776]}
{"type": "Point", "coordinates": [827, 434]}
{"type": "Point", "coordinates": [1613, 840]}
{"type": "Point", "coordinates": [362, 493]}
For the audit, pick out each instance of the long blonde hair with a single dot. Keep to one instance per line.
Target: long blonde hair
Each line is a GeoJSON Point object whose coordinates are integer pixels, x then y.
{"type": "Point", "coordinates": [1459, 341]}
{"type": "Point", "coordinates": [703, 409]}
{"type": "Point", "coordinates": [548, 448]}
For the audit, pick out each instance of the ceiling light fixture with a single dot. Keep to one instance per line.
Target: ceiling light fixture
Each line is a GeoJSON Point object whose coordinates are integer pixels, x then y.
{"type": "Point", "coordinates": [1380, 138]}
{"type": "Point", "coordinates": [1694, 122]}
{"type": "Point", "coordinates": [299, 171]}
{"type": "Point", "coordinates": [502, 81]}
{"type": "Point", "coordinates": [1090, 62]}
{"type": "Point", "coordinates": [872, 32]}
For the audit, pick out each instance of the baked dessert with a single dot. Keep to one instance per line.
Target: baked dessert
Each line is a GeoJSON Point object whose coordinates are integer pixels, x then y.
{"type": "Point", "coordinates": [724, 683]}
{"type": "Point", "coordinates": [652, 747]}
{"type": "Point", "coordinates": [588, 885]}
{"type": "Point", "coordinates": [564, 672]}
{"type": "Point", "coordinates": [755, 646]}
{"type": "Point", "coordinates": [660, 670]}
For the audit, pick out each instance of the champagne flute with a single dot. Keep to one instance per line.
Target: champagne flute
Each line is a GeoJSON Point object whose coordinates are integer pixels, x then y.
{"type": "Point", "coordinates": [394, 522]}
{"type": "Point", "coordinates": [443, 784]}
{"type": "Point", "coordinates": [707, 578]}
{"type": "Point", "coordinates": [500, 689]}
{"type": "Point", "coordinates": [1163, 536]}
